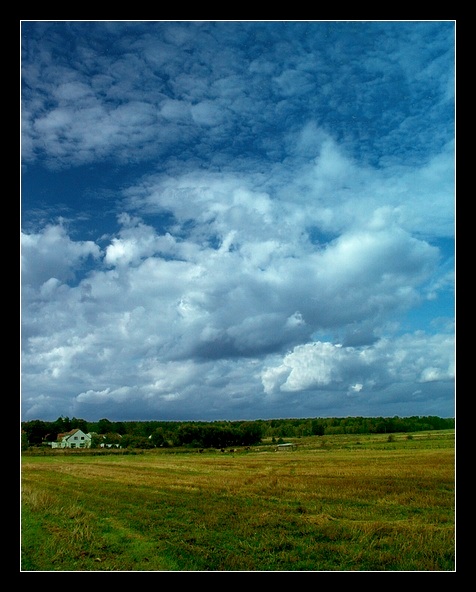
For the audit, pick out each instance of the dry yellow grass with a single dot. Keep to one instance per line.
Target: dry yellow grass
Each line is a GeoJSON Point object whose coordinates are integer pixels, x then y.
{"type": "Point", "coordinates": [314, 509]}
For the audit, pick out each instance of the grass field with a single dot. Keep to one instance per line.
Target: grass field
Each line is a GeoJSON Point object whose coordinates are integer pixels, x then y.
{"type": "Point", "coordinates": [337, 503]}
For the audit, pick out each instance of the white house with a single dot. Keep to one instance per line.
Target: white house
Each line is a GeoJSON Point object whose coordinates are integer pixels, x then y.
{"type": "Point", "coordinates": [74, 439]}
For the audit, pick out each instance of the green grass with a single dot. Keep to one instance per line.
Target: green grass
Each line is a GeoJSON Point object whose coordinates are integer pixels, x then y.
{"type": "Point", "coordinates": [338, 503]}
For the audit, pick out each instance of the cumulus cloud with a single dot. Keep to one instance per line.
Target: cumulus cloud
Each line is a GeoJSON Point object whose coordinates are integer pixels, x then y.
{"type": "Point", "coordinates": [290, 193]}
{"type": "Point", "coordinates": [52, 255]}
{"type": "Point", "coordinates": [320, 367]}
{"type": "Point", "coordinates": [241, 283]}
{"type": "Point", "coordinates": [162, 301]}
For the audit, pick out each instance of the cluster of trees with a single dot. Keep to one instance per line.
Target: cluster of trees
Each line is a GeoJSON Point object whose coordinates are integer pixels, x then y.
{"type": "Point", "coordinates": [220, 434]}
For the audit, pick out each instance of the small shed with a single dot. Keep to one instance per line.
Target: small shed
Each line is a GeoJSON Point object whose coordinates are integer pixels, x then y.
{"type": "Point", "coordinates": [286, 446]}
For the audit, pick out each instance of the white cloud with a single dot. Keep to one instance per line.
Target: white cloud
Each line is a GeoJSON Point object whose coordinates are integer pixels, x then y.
{"type": "Point", "coordinates": [264, 288]}
{"type": "Point", "coordinates": [302, 185]}
{"type": "Point", "coordinates": [136, 241]}
{"type": "Point", "coordinates": [175, 110]}
{"type": "Point", "coordinates": [207, 113]}
{"type": "Point", "coordinates": [72, 91]}
{"type": "Point", "coordinates": [144, 329]}
{"type": "Point", "coordinates": [52, 254]}
{"type": "Point", "coordinates": [433, 374]}
{"type": "Point", "coordinates": [324, 367]}
{"type": "Point", "coordinates": [305, 368]}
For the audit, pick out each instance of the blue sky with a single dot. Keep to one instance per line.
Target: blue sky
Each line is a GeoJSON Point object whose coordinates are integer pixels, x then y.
{"type": "Point", "coordinates": [237, 219]}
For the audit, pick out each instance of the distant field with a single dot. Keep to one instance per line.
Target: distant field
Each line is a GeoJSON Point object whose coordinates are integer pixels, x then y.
{"type": "Point", "coordinates": [336, 503]}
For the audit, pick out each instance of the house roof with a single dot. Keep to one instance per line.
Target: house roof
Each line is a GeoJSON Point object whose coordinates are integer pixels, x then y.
{"type": "Point", "coordinates": [67, 434]}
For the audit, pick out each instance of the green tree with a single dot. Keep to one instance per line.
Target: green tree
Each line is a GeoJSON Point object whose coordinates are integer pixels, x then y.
{"type": "Point", "coordinates": [80, 424]}
{"type": "Point", "coordinates": [131, 441]}
{"type": "Point", "coordinates": [104, 426]}
{"type": "Point", "coordinates": [113, 438]}
{"type": "Point", "coordinates": [60, 426]}
{"type": "Point", "coordinates": [251, 433]}
{"type": "Point", "coordinates": [36, 431]}
{"type": "Point", "coordinates": [158, 438]}
{"type": "Point", "coordinates": [24, 440]}
{"type": "Point", "coordinates": [187, 434]}
{"type": "Point", "coordinates": [317, 428]}
{"type": "Point", "coordinates": [96, 440]}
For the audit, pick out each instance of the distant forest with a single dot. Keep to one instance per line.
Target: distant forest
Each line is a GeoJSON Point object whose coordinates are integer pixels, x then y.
{"type": "Point", "coordinates": [219, 434]}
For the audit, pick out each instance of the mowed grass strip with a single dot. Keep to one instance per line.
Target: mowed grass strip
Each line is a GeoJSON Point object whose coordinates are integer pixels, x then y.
{"type": "Point", "coordinates": [342, 509]}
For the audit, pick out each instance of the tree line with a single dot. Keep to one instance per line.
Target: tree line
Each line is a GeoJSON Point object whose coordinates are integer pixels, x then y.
{"type": "Point", "coordinates": [220, 434]}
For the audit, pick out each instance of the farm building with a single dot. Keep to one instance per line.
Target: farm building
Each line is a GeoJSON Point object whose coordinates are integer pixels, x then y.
{"type": "Point", "coordinates": [73, 439]}
{"type": "Point", "coordinates": [286, 446]}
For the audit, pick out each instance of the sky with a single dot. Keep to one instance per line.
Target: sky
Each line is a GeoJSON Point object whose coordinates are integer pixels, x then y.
{"type": "Point", "coordinates": [225, 220]}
